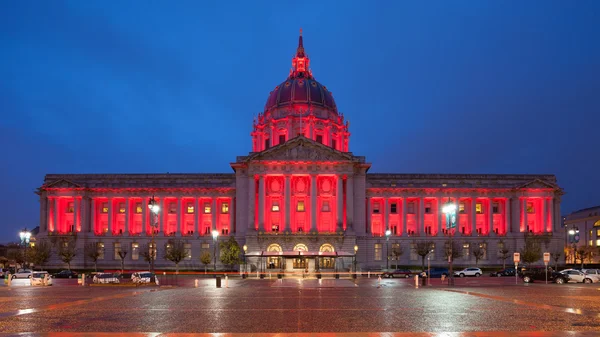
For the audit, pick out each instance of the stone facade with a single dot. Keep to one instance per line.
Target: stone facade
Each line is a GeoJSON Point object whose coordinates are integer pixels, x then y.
{"type": "Point", "coordinates": [301, 200]}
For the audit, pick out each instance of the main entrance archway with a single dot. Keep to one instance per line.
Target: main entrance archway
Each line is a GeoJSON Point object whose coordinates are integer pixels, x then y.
{"type": "Point", "coordinates": [274, 262]}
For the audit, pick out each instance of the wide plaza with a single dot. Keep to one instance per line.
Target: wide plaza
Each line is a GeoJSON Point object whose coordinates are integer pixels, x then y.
{"type": "Point", "coordinates": [496, 306]}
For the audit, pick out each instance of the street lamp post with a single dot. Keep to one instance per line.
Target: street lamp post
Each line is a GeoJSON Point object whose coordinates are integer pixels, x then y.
{"type": "Point", "coordinates": [154, 209]}
{"type": "Point", "coordinates": [387, 248]}
{"type": "Point", "coordinates": [215, 235]}
{"type": "Point", "coordinates": [429, 267]}
{"type": "Point", "coordinates": [573, 240]}
{"type": "Point", "coordinates": [245, 266]}
{"type": "Point", "coordinates": [354, 259]}
{"type": "Point", "coordinates": [449, 209]}
{"type": "Point", "coordinates": [25, 235]}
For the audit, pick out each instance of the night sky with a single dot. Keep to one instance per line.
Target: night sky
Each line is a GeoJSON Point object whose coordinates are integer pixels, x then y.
{"type": "Point", "coordinates": [154, 87]}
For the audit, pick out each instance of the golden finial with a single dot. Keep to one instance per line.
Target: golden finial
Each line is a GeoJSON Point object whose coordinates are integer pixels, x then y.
{"type": "Point", "coordinates": [300, 31]}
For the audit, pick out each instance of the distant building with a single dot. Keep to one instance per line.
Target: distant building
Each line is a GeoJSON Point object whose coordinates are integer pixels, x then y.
{"type": "Point", "coordinates": [582, 229]}
{"type": "Point", "coordinates": [300, 201]}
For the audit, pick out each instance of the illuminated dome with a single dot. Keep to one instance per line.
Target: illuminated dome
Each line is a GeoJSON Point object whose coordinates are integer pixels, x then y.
{"type": "Point", "coordinates": [300, 88]}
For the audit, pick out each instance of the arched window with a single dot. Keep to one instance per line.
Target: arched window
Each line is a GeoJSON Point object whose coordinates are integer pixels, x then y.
{"type": "Point", "coordinates": [327, 248]}
{"type": "Point", "coordinates": [274, 248]}
{"type": "Point", "coordinates": [300, 248]}
{"type": "Point", "coordinates": [597, 223]}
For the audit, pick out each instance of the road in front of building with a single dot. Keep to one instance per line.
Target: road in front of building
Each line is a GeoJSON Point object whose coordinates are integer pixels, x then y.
{"type": "Point", "coordinates": [493, 305]}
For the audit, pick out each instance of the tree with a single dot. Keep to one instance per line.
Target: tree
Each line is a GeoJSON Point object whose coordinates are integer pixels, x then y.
{"type": "Point", "coordinates": [67, 250]}
{"type": "Point", "coordinates": [396, 253]}
{"type": "Point", "coordinates": [149, 254]}
{"type": "Point", "coordinates": [455, 250]}
{"type": "Point", "coordinates": [532, 251]}
{"type": "Point", "coordinates": [478, 253]}
{"type": "Point", "coordinates": [423, 248]}
{"type": "Point", "coordinates": [16, 255]}
{"type": "Point", "coordinates": [555, 256]}
{"type": "Point", "coordinates": [230, 252]}
{"type": "Point", "coordinates": [175, 252]}
{"type": "Point", "coordinates": [503, 254]}
{"type": "Point", "coordinates": [205, 258]}
{"type": "Point", "coordinates": [122, 254]}
{"type": "Point", "coordinates": [91, 251]}
{"type": "Point", "coordinates": [40, 253]}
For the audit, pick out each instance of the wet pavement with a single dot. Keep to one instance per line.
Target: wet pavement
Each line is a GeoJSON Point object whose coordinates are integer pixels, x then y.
{"type": "Point", "coordinates": [474, 307]}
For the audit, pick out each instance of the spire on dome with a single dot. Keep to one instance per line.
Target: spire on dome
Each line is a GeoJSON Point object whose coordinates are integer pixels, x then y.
{"type": "Point", "coordinates": [300, 62]}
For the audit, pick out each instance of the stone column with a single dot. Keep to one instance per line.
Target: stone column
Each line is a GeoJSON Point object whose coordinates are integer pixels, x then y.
{"type": "Point", "coordinates": [386, 216]}
{"type": "Point", "coordinates": [349, 202]}
{"type": "Point", "coordinates": [473, 216]}
{"type": "Point", "coordinates": [525, 223]}
{"type": "Point", "coordinates": [196, 215]}
{"type": "Point", "coordinates": [491, 215]}
{"type": "Point", "coordinates": [288, 203]}
{"type": "Point", "coordinates": [161, 217]}
{"type": "Point", "coordinates": [507, 215]}
{"type": "Point", "coordinates": [515, 215]}
{"type": "Point", "coordinates": [552, 219]}
{"type": "Point", "coordinates": [179, 216]}
{"type": "Point", "coordinates": [231, 215]}
{"type": "Point", "coordinates": [110, 217]}
{"type": "Point", "coordinates": [261, 203]}
{"type": "Point", "coordinates": [55, 214]}
{"type": "Point", "coordinates": [544, 215]}
{"type": "Point", "coordinates": [251, 203]}
{"type": "Point", "coordinates": [313, 203]}
{"type": "Point", "coordinates": [144, 204]}
{"type": "Point", "coordinates": [127, 215]}
{"type": "Point", "coordinates": [75, 213]}
{"type": "Point", "coordinates": [369, 215]}
{"type": "Point", "coordinates": [421, 220]}
{"type": "Point", "coordinates": [340, 204]}
{"type": "Point", "coordinates": [43, 215]}
{"type": "Point", "coordinates": [213, 210]}
{"type": "Point", "coordinates": [404, 224]}
{"type": "Point", "coordinates": [439, 216]}
{"type": "Point", "coordinates": [93, 216]}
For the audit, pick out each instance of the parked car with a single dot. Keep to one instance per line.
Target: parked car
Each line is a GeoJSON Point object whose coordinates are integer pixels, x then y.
{"type": "Point", "coordinates": [40, 278]}
{"type": "Point", "coordinates": [144, 277]}
{"type": "Point", "coordinates": [438, 272]}
{"type": "Point", "coordinates": [105, 278]}
{"type": "Point", "coordinates": [580, 277]}
{"type": "Point", "coordinates": [66, 274]}
{"type": "Point", "coordinates": [532, 274]}
{"type": "Point", "coordinates": [405, 273]}
{"type": "Point", "coordinates": [468, 272]}
{"type": "Point", "coordinates": [22, 273]}
{"type": "Point", "coordinates": [503, 272]}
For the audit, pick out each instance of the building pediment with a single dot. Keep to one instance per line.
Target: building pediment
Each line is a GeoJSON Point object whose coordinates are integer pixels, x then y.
{"type": "Point", "coordinates": [538, 183]}
{"type": "Point", "coordinates": [63, 183]}
{"type": "Point", "coordinates": [302, 149]}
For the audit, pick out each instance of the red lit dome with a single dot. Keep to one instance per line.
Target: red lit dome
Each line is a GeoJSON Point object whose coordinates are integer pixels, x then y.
{"type": "Point", "coordinates": [300, 90]}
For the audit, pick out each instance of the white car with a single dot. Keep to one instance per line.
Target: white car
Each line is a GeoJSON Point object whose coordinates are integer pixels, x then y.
{"type": "Point", "coordinates": [143, 277]}
{"type": "Point", "coordinates": [105, 278]}
{"type": "Point", "coordinates": [579, 276]}
{"type": "Point", "coordinates": [40, 278]}
{"type": "Point", "coordinates": [468, 272]}
{"type": "Point", "coordinates": [22, 273]}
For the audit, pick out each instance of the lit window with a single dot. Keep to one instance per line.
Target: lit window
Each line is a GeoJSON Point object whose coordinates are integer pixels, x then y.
{"type": "Point", "coordinates": [207, 208]}
{"type": "Point", "coordinates": [70, 207]}
{"type": "Point", "coordinates": [205, 245]}
{"type": "Point", "coordinates": [300, 206]}
{"type": "Point", "coordinates": [190, 209]}
{"type": "Point", "coordinates": [466, 250]}
{"type": "Point", "coordinates": [598, 232]}
{"type": "Point", "coordinates": [478, 208]}
{"type": "Point", "coordinates": [530, 208]}
{"type": "Point", "coordinates": [105, 207]}
{"type": "Point", "coordinates": [461, 207]}
{"type": "Point", "coordinates": [187, 247]}
{"type": "Point", "coordinates": [135, 251]}
{"type": "Point", "coordinates": [122, 207]}
{"type": "Point", "coordinates": [275, 206]}
{"type": "Point", "coordinates": [138, 208]}
{"type": "Point", "coordinates": [591, 243]}
{"type": "Point", "coordinates": [224, 208]}
{"type": "Point", "coordinates": [378, 252]}
{"type": "Point", "coordinates": [275, 228]}
{"type": "Point", "coordinates": [597, 243]}
{"type": "Point", "coordinates": [325, 207]}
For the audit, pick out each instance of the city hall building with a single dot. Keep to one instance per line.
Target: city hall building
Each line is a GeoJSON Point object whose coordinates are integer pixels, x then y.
{"type": "Point", "coordinates": [300, 200]}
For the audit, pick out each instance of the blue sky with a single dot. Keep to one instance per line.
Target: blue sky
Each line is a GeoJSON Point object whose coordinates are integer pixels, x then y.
{"type": "Point", "coordinates": [436, 87]}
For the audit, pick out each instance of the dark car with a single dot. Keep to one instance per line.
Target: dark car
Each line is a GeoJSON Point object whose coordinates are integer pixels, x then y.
{"type": "Point", "coordinates": [503, 272]}
{"type": "Point", "coordinates": [533, 274]}
{"type": "Point", "coordinates": [438, 272]}
{"type": "Point", "coordinates": [405, 273]}
{"type": "Point", "coordinates": [66, 274]}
